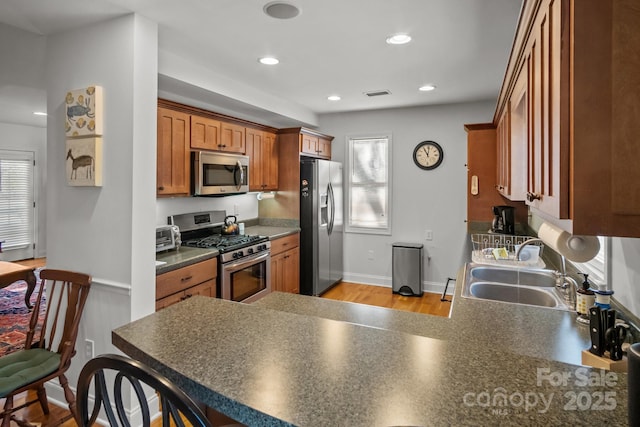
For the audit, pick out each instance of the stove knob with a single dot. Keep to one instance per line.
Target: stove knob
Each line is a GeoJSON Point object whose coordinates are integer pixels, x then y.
{"type": "Point", "coordinates": [240, 253]}
{"type": "Point", "coordinates": [250, 251]}
{"type": "Point", "coordinates": [235, 255]}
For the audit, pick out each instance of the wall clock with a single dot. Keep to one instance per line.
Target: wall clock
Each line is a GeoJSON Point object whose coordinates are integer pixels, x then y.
{"type": "Point", "coordinates": [428, 155]}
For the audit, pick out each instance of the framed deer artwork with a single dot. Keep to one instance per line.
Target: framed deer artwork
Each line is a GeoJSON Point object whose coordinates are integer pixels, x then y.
{"type": "Point", "coordinates": [84, 127]}
{"type": "Point", "coordinates": [84, 162]}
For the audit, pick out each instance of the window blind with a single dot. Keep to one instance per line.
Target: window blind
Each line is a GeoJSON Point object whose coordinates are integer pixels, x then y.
{"type": "Point", "coordinates": [16, 199]}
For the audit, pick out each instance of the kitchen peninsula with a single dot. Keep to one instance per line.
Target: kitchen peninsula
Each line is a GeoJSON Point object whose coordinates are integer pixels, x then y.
{"type": "Point", "coordinates": [305, 361]}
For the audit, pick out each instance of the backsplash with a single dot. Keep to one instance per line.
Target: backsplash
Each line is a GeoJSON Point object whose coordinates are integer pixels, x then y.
{"type": "Point", "coordinates": [244, 206]}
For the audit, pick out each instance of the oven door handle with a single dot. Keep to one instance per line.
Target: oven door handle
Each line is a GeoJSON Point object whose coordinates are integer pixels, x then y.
{"type": "Point", "coordinates": [246, 260]}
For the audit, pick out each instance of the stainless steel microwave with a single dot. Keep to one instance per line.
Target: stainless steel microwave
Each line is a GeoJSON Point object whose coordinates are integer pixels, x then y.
{"type": "Point", "coordinates": [219, 174]}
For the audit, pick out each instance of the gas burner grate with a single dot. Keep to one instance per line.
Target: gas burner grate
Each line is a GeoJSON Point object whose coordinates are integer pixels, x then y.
{"type": "Point", "coordinates": [222, 243]}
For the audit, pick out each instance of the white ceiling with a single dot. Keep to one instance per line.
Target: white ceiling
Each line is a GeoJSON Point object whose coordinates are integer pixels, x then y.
{"type": "Point", "coordinates": [332, 47]}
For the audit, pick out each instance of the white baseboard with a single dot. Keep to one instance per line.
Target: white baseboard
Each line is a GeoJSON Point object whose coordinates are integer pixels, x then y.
{"type": "Point", "coordinates": [367, 279]}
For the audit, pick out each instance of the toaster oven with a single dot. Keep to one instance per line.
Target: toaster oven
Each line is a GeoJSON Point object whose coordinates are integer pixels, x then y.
{"type": "Point", "coordinates": [167, 238]}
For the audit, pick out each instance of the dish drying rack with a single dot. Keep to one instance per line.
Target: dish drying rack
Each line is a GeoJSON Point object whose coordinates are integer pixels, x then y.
{"type": "Point", "coordinates": [484, 244]}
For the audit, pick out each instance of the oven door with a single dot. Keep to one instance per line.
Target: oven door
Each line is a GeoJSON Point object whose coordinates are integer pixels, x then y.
{"type": "Point", "coordinates": [247, 279]}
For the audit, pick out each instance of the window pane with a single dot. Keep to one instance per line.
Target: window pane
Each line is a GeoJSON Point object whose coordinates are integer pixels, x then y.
{"type": "Point", "coordinates": [368, 207]}
{"type": "Point", "coordinates": [369, 161]}
{"type": "Point", "coordinates": [368, 190]}
{"type": "Point", "coordinates": [16, 200]}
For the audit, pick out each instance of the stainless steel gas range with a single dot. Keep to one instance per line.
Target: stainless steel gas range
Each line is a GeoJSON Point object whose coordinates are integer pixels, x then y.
{"type": "Point", "coordinates": [244, 261]}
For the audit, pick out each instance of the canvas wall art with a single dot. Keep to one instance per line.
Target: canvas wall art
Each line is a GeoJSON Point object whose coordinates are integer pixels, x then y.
{"type": "Point", "coordinates": [84, 162]}
{"type": "Point", "coordinates": [84, 112]}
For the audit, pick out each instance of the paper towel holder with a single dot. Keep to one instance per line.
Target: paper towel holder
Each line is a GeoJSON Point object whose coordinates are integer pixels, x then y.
{"type": "Point", "coordinates": [575, 248]}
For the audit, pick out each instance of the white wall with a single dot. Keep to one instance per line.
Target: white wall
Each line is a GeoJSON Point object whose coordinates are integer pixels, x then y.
{"type": "Point", "coordinates": [434, 200]}
{"type": "Point", "coordinates": [106, 231]}
{"type": "Point", "coordinates": [34, 139]}
{"type": "Point", "coordinates": [625, 272]}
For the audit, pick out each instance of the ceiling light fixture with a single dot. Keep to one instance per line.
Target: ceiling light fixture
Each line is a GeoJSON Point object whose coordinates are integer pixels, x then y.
{"type": "Point", "coordinates": [281, 10]}
{"type": "Point", "coordinates": [427, 88]}
{"type": "Point", "coordinates": [268, 60]}
{"type": "Point", "coordinates": [333, 98]}
{"type": "Point", "coordinates": [399, 39]}
{"type": "Point", "coordinates": [39, 113]}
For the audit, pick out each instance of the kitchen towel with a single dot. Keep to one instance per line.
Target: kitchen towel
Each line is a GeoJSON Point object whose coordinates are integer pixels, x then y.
{"type": "Point", "coordinates": [574, 248]}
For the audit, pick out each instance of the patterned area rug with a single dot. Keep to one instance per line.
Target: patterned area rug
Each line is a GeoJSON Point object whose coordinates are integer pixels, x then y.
{"type": "Point", "coordinates": [14, 315]}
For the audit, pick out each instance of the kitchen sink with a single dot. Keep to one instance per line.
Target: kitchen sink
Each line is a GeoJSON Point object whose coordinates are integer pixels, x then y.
{"type": "Point", "coordinates": [513, 294]}
{"type": "Point", "coordinates": [514, 276]}
{"type": "Point", "coordinates": [513, 285]}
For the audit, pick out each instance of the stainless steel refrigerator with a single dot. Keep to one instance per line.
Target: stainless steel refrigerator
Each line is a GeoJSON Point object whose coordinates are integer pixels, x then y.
{"type": "Point", "coordinates": [321, 221]}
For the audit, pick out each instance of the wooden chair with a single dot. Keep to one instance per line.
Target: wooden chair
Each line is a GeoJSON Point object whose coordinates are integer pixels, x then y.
{"type": "Point", "coordinates": [176, 405]}
{"type": "Point", "coordinates": [50, 343]}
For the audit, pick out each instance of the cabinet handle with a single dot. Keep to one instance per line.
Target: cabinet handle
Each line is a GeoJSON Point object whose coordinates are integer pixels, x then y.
{"type": "Point", "coordinates": [184, 279]}
{"type": "Point", "coordinates": [160, 188]}
{"type": "Point", "coordinates": [533, 196]}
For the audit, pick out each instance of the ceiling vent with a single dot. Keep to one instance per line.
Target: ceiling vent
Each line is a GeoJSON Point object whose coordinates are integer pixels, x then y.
{"type": "Point", "coordinates": [378, 93]}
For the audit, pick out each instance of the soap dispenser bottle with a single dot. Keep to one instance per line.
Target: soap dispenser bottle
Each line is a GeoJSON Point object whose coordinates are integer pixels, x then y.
{"type": "Point", "coordinates": [585, 298]}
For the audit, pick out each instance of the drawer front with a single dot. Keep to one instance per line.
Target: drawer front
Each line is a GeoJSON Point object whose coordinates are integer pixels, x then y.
{"type": "Point", "coordinates": [285, 243]}
{"type": "Point", "coordinates": [183, 278]}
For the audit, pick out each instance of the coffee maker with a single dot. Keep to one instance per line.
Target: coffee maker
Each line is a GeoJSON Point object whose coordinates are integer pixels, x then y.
{"type": "Point", "coordinates": [503, 220]}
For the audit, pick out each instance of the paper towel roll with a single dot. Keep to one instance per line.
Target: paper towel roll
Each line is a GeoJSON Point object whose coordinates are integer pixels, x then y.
{"type": "Point", "coordinates": [574, 248]}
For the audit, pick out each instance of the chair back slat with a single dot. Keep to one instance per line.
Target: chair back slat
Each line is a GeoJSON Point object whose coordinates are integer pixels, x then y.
{"type": "Point", "coordinates": [66, 294]}
{"type": "Point", "coordinates": [176, 404]}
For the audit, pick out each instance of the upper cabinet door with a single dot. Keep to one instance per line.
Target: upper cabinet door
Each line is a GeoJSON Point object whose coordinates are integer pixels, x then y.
{"type": "Point", "coordinates": [172, 167]}
{"type": "Point", "coordinates": [548, 182]}
{"type": "Point", "coordinates": [263, 156]}
{"type": "Point", "coordinates": [205, 133]}
{"type": "Point", "coordinates": [232, 138]}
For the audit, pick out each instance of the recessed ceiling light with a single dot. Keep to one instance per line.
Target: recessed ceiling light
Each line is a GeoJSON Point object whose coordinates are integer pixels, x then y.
{"type": "Point", "coordinates": [39, 113]}
{"type": "Point", "coordinates": [281, 10]}
{"type": "Point", "coordinates": [426, 88]}
{"type": "Point", "coordinates": [333, 98]}
{"type": "Point", "coordinates": [399, 39]}
{"type": "Point", "coordinates": [268, 60]}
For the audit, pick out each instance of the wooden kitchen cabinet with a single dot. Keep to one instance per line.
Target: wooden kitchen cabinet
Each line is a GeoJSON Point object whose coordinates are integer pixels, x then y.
{"type": "Point", "coordinates": [547, 61]}
{"type": "Point", "coordinates": [178, 285]}
{"type": "Point", "coordinates": [581, 58]}
{"type": "Point", "coordinates": [503, 139]}
{"type": "Point", "coordinates": [512, 143]}
{"type": "Point", "coordinates": [315, 145]}
{"type": "Point", "coordinates": [263, 160]}
{"type": "Point", "coordinates": [205, 133]}
{"type": "Point", "coordinates": [232, 138]}
{"type": "Point", "coordinates": [172, 167]}
{"type": "Point", "coordinates": [285, 264]}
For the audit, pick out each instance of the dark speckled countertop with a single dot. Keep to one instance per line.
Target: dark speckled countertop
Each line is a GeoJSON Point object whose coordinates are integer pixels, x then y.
{"type": "Point", "coordinates": [306, 361]}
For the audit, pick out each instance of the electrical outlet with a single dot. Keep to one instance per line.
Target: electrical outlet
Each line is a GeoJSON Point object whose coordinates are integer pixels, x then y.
{"type": "Point", "coordinates": [370, 255]}
{"type": "Point", "coordinates": [88, 349]}
{"type": "Point", "coordinates": [235, 210]}
{"type": "Point", "coordinates": [428, 235]}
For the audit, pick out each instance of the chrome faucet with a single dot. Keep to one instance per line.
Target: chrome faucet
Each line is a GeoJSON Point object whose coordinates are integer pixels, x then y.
{"type": "Point", "coordinates": [566, 284]}
{"type": "Point", "coordinates": [525, 243]}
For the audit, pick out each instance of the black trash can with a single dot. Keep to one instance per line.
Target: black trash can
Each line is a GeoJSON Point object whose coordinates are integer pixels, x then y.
{"type": "Point", "coordinates": [407, 268]}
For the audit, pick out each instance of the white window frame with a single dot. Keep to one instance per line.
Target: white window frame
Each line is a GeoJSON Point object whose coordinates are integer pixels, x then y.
{"type": "Point", "coordinates": [350, 227]}
{"type": "Point", "coordinates": [23, 249]}
{"type": "Point", "coordinates": [598, 268]}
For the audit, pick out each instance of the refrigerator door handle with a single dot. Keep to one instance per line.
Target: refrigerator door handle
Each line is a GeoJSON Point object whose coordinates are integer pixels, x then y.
{"type": "Point", "coordinates": [333, 208]}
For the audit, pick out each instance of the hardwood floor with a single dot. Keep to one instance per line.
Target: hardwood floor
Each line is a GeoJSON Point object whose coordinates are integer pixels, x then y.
{"type": "Point", "coordinates": [381, 296]}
